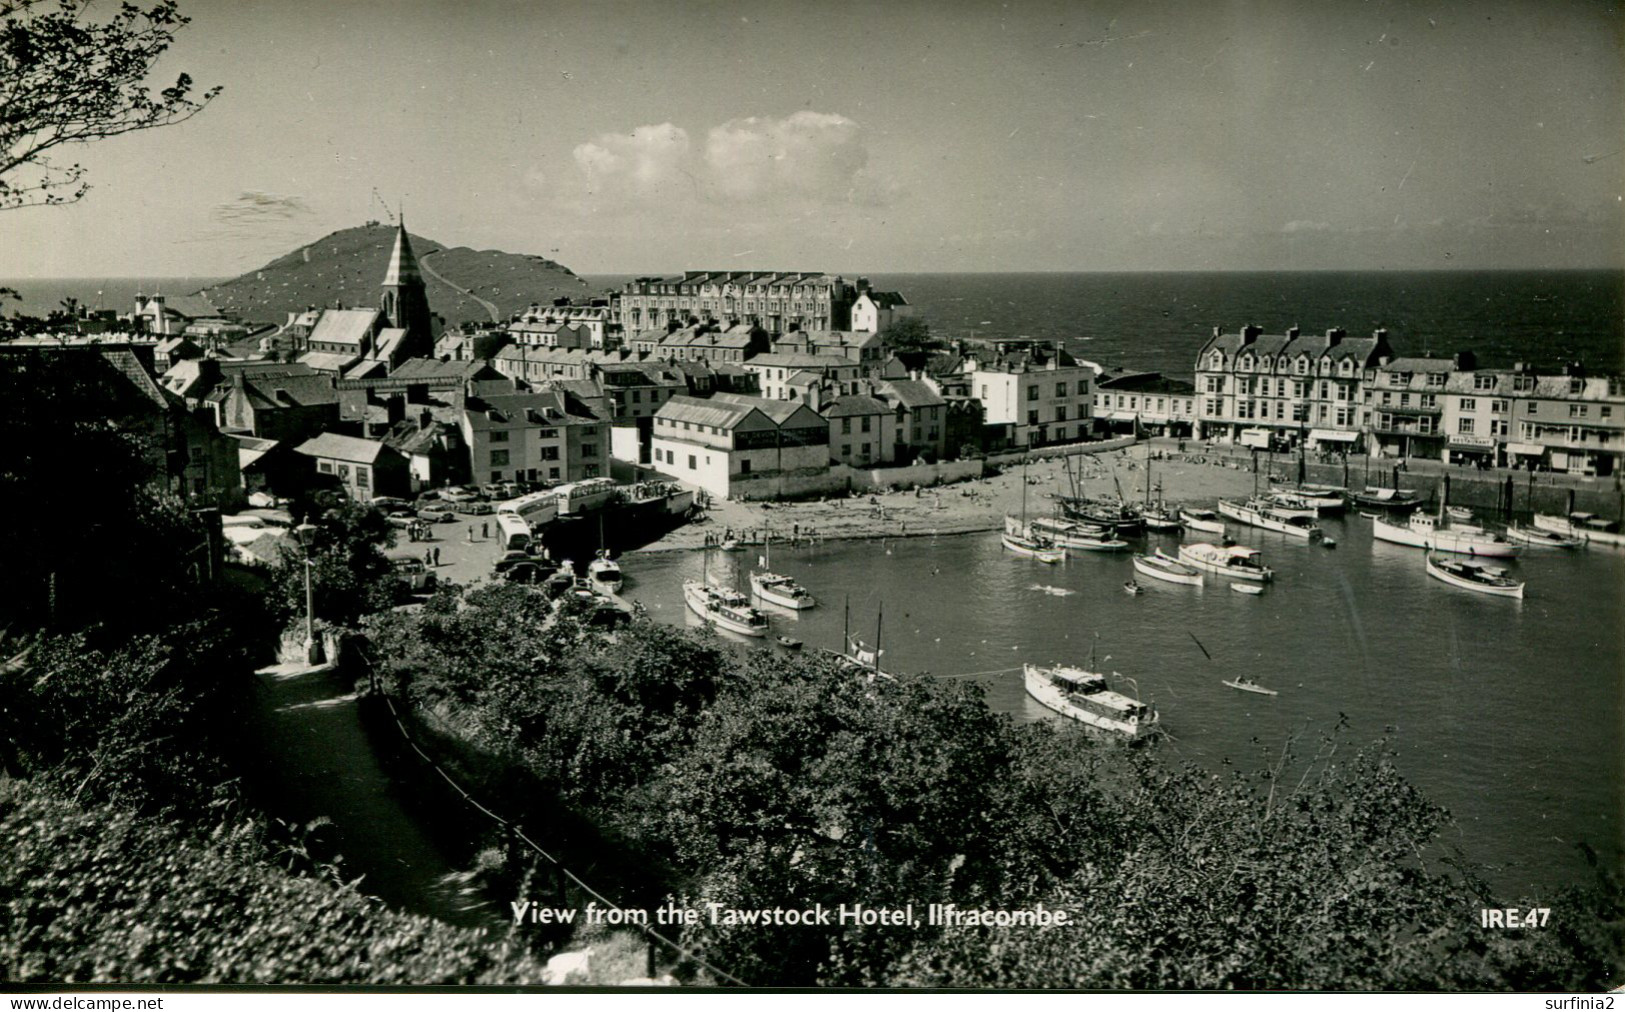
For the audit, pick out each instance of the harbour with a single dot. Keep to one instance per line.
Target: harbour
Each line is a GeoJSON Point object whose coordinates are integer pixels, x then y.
{"type": "Point", "coordinates": [1523, 750]}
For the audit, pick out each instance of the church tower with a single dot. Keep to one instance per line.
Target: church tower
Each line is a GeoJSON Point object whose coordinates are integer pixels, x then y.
{"type": "Point", "coordinates": [405, 304]}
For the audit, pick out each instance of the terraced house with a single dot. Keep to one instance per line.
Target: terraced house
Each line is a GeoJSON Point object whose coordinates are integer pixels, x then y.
{"type": "Point", "coordinates": [1035, 396]}
{"type": "Point", "coordinates": [1262, 389]}
{"type": "Point", "coordinates": [778, 301]}
{"type": "Point", "coordinates": [533, 436]}
{"type": "Point", "coordinates": [1570, 423]}
{"type": "Point", "coordinates": [1404, 408]}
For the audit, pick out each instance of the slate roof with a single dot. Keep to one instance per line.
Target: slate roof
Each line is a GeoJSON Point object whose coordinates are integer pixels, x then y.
{"type": "Point", "coordinates": [713, 412]}
{"type": "Point", "coordinates": [344, 326]}
{"type": "Point", "coordinates": [912, 394]}
{"type": "Point", "coordinates": [332, 446]}
{"type": "Point", "coordinates": [855, 404]}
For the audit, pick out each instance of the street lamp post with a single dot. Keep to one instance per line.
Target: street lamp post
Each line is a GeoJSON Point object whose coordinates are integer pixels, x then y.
{"type": "Point", "coordinates": [313, 652]}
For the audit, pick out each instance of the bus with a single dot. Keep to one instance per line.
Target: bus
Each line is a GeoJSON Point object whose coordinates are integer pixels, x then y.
{"type": "Point", "coordinates": [586, 494]}
{"type": "Point", "coordinates": [513, 531]}
{"type": "Point", "coordinates": [535, 509]}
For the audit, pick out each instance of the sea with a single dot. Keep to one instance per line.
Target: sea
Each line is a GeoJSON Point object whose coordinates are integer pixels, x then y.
{"type": "Point", "coordinates": [1509, 714]}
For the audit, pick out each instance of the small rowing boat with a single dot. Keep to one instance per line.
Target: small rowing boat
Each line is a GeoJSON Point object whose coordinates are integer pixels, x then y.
{"type": "Point", "coordinates": [1247, 588]}
{"type": "Point", "coordinates": [1247, 686]}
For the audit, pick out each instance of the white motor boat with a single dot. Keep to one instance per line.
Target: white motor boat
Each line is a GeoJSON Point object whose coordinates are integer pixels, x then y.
{"type": "Point", "coordinates": [1206, 521]}
{"type": "Point", "coordinates": [1259, 513]}
{"type": "Point", "coordinates": [724, 608]}
{"type": "Point", "coordinates": [1235, 561]}
{"type": "Point", "coordinates": [1474, 576]}
{"type": "Point", "coordinates": [1161, 567]}
{"type": "Point", "coordinates": [1419, 531]}
{"type": "Point", "coordinates": [1083, 696]}
{"type": "Point", "coordinates": [604, 574]}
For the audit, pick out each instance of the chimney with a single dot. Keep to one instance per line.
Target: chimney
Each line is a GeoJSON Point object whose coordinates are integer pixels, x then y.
{"type": "Point", "coordinates": [1250, 333]}
{"type": "Point", "coordinates": [1381, 334]}
{"type": "Point", "coordinates": [425, 419]}
{"type": "Point", "coordinates": [1335, 335]}
{"type": "Point", "coordinates": [395, 408]}
{"type": "Point", "coordinates": [1218, 331]}
{"type": "Point", "coordinates": [1292, 332]}
{"type": "Point", "coordinates": [1465, 361]}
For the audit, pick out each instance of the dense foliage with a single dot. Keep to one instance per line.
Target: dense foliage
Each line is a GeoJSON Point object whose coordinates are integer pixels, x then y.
{"type": "Point", "coordinates": [350, 575]}
{"type": "Point", "coordinates": [72, 79]}
{"type": "Point", "coordinates": [770, 782]}
{"type": "Point", "coordinates": [99, 894]}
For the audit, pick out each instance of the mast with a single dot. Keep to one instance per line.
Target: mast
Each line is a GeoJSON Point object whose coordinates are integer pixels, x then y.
{"type": "Point", "coordinates": [1148, 474]}
{"type": "Point", "coordinates": [846, 627]}
{"type": "Point", "coordinates": [880, 613]}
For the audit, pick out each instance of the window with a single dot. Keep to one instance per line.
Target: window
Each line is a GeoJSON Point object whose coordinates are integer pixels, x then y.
{"type": "Point", "coordinates": [197, 454]}
{"type": "Point", "coordinates": [846, 449]}
{"type": "Point", "coordinates": [1060, 412]}
{"type": "Point", "coordinates": [1387, 398]}
{"type": "Point", "coordinates": [1032, 417]}
{"type": "Point", "coordinates": [1499, 407]}
{"type": "Point", "coordinates": [1577, 410]}
{"type": "Point", "coordinates": [691, 462]}
{"type": "Point", "coordinates": [1606, 411]}
{"type": "Point", "coordinates": [499, 458]}
{"type": "Point", "coordinates": [1464, 425]}
{"type": "Point", "coordinates": [1534, 409]}
{"type": "Point", "coordinates": [1083, 387]}
{"type": "Point", "coordinates": [589, 449]}
{"type": "Point", "coordinates": [1483, 382]}
{"type": "Point", "coordinates": [549, 453]}
{"type": "Point", "coordinates": [344, 471]}
{"type": "Point", "coordinates": [846, 426]}
{"type": "Point", "coordinates": [499, 435]}
{"type": "Point", "coordinates": [1032, 392]}
{"type": "Point", "coordinates": [1469, 404]}
{"type": "Point", "coordinates": [363, 477]}
{"type": "Point", "coordinates": [324, 466]}
{"type": "Point", "coordinates": [553, 474]}
{"type": "Point", "coordinates": [866, 423]}
{"type": "Point", "coordinates": [1060, 389]}
{"type": "Point", "coordinates": [496, 475]}
{"type": "Point", "coordinates": [1405, 400]}
{"type": "Point", "coordinates": [1213, 384]}
{"type": "Point", "coordinates": [744, 466]}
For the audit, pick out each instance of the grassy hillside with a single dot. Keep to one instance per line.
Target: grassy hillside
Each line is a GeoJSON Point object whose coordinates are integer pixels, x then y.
{"type": "Point", "coordinates": [349, 266]}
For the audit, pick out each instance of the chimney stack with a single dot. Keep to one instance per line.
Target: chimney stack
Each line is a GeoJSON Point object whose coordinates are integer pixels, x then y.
{"type": "Point", "coordinates": [1250, 333]}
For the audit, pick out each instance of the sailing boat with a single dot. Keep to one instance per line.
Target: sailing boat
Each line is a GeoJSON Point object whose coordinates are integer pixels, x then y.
{"type": "Point", "coordinates": [723, 607]}
{"type": "Point", "coordinates": [776, 589]}
{"type": "Point", "coordinates": [1022, 539]}
{"type": "Point", "coordinates": [1158, 517]}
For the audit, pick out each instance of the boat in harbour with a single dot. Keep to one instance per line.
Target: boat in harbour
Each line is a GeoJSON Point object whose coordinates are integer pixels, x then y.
{"type": "Point", "coordinates": [604, 574]}
{"type": "Point", "coordinates": [1084, 696]}
{"type": "Point", "coordinates": [1290, 504]}
{"type": "Point", "coordinates": [1247, 588]}
{"type": "Point", "coordinates": [1257, 513]}
{"type": "Point", "coordinates": [724, 608]}
{"type": "Point", "coordinates": [778, 589]}
{"type": "Point", "coordinates": [1437, 535]}
{"type": "Point", "coordinates": [1246, 685]}
{"type": "Point", "coordinates": [1235, 561]}
{"type": "Point", "coordinates": [1161, 567]}
{"type": "Point", "coordinates": [1132, 589]}
{"type": "Point", "coordinates": [1534, 537]}
{"type": "Point", "coordinates": [1022, 539]}
{"type": "Point", "coordinates": [1206, 521]}
{"type": "Point", "coordinates": [1387, 500]}
{"type": "Point", "coordinates": [1081, 536]}
{"type": "Point", "coordinates": [1588, 527]}
{"type": "Point", "coordinates": [1475, 576]}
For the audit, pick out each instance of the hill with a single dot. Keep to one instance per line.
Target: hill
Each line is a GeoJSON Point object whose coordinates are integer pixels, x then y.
{"type": "Point", "coordinates": [463, 284]}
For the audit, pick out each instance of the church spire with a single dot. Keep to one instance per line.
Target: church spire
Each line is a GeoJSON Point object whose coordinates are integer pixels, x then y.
{"type": "Point", "coordinates": [403, 263]}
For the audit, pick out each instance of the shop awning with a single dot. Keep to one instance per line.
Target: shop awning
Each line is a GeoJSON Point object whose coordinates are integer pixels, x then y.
{"type": "Point", "coordinates": [1472, 447]}
{"type": "Point", "coordinates": [1526, 449]}
{"type": "Point", "coordinates": [1122, 416]}
{"type": "Point", "coordinates": [1332, 436]}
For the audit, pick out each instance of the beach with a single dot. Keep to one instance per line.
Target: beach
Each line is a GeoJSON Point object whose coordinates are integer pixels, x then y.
{"type": "Point", "coordinates": [969, 506]}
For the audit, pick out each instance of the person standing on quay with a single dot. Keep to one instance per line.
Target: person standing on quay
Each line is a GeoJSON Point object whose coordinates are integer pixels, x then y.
{"type": "Point", "coordinates": [437, 557]}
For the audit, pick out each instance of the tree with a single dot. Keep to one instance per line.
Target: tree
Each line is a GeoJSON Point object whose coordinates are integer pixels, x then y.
{"type": "Point", "coordinates": [910, 334]}
{"type": "Point", "coordinates": [65, 80]}
{"type": "Point", "coordinates": [350, 575]}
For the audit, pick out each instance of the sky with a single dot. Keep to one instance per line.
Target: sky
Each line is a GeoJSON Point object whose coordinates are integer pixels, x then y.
{"type": "Point", "coordinates": [863, 137]}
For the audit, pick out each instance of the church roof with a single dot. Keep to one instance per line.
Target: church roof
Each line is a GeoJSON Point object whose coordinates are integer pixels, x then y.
{"type": "Point", "coordinates": [403, 263]}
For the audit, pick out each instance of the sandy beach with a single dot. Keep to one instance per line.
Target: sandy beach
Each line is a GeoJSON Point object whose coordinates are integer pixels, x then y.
{"type": "Point", "coordinates": [978, 505]}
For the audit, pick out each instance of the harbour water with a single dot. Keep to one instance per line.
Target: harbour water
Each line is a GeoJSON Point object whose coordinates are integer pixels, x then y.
{"type": "Point", "coordinates": [1508, 713]}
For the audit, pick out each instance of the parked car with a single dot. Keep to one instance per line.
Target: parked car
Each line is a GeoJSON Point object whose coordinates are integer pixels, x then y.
{"type": "Point", "coordinates": [459, 493]}
{"type": "Point", "coordinates": [389, 503]}
{"type": "Point", "coordinates": [436, 514]}
{"type": "Point", "coordinates": [415, 574]}
{"type": "Point", "coordinates": [526, 571]}
{"type": "Point", "coordinates": [479, 508]}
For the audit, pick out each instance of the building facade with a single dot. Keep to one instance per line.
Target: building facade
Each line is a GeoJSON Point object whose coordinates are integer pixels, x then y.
{"type": "Point", "coordinates": [1036, 396]}
{"type": "Point", "coordinates": [713, 442]}
{"type": "Point", "coordinates": [777, 301]}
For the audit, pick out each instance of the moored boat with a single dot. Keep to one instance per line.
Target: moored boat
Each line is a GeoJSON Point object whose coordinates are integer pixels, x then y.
{"type": "Point", "coordinates": [1387, 500]}
{"type": "Point", "coordinates": [724, 608]}
{"type": "Point", "coordinates": [1132, 588]}
{"type": "Point", "coordinates": [1255, 513]}
{"type": "Point", "coordinates": [1290, 504]}
{"type": "Point", "coordinates": [1428, 532]}
{"type": "Point", "coordinates": [1247, 588]}
{"type": "Point", "coordinates": [1118, 516]}
{"type": "Point", "coordinates": [1235, 561]}
{"type": "Point", "coordinates": [1206, 521]}
{"type": "Point", "coordinates": [1160, 567]}
{"type": "Point", "coordinates": [1019, 538]}
{"type": "Point", "coordinates": [1588, 527]}
{"type": "Point", "coordinates": [781, 590]}
{"type": "Point", "coordinates": [604, 574]}
{"type": "Point", "coordinates": [1534, 537]}
{"type": "Point", "coordinates": [1084, 697]}
{"type": "Point", "coordinates": [1474, 576]}
{"type": "Point", "coordinates": [1246, 685]}
{"type": "Point", "coordinates": [1073, 534]}
{"type": "Point", "coordinates": [1161, 519]}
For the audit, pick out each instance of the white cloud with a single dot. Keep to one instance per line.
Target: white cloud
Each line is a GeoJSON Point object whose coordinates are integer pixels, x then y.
{"type": "Point", "coordinates": [647, 164]}
{"type": "Point", "coordinates": [805, 159]}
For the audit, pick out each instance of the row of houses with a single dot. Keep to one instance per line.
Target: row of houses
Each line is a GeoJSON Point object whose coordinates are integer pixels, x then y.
{"type": "Point", "coordinates": [1333, 391]}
